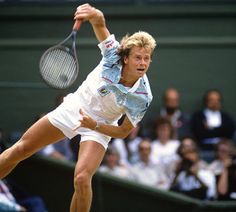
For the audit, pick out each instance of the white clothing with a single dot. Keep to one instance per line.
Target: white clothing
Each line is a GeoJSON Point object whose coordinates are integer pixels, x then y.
{"type": "Point", "coordinates": [216, 167]}
{"type": "Point", "coordinates": [103, 98]}
{"type": "Point", "coordinates": [187, 183]}
{"type": "Point", "coordinates": [119, 145]}
{"type": "Point", "coordinates": [7, 200]}
{"type": "Point", "coordinates": [164, 153]}
{"type": "Point", "coordinates": [117, 171]}
{"type": "Point", "coordinates": [47, 150]}
{"type": "Point", "coordinates": [150, 174]}
{"type": "Point", "coordinates": [213, 118]}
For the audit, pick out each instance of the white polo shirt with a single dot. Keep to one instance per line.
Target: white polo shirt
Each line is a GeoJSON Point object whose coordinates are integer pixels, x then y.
{"type": "Point", "coordinates": [102, 97]}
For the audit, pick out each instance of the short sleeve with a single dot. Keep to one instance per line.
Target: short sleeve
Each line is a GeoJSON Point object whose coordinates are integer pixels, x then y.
{"type": "Point", "coordinates": [108, 49]}
{"type": "Point", "coordinates": [110, 63]}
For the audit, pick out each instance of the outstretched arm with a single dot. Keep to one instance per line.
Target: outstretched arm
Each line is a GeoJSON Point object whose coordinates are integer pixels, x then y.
{"type": "Point", "coordinates": [96, 18]}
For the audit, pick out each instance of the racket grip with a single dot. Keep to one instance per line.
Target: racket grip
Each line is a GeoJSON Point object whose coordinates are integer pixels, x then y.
{"type": "Point", "coordinates": [77, 25]}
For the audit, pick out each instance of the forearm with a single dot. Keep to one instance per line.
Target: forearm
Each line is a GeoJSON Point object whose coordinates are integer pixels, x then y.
{"type": "Point", "coordinates": [223, 183]}
{"type": "Point", "coordinates": [120, 131]}
{"type": "Point", "coordinates": [113, 131]}
{"type": "Point", "coordinates": [99, 27]}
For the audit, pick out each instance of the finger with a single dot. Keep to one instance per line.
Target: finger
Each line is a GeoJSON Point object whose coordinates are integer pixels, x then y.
{"type": "Point", "coordinates": [82, 112]}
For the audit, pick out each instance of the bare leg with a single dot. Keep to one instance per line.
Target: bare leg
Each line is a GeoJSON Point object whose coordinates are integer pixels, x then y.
{"type": "Point", "coordinates": [90, 156]}
{"type": "Point", "coordinates": [36, 137]}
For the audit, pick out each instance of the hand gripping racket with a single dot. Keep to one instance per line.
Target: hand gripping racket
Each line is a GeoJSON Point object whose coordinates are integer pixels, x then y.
{"type": "Point", "coordinates": [59, 66]}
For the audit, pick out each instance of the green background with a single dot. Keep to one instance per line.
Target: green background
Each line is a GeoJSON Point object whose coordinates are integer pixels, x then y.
{"type": "Point", "coordinates": [196, 51]}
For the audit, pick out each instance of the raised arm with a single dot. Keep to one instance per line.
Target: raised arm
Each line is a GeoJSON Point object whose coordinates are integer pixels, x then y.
{"type": "Point", "coordinates": [96, 18]}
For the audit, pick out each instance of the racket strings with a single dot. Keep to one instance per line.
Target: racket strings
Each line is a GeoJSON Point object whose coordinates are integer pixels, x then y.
{"type": "Point", "coordinates": [59, 68]}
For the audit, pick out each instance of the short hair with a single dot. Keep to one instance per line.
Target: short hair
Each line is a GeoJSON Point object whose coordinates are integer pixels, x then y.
{"type": "Point", "coordinates": [195, 145]}
{"type": "Point", "coordinates": [228, 142]}
{"type": "Point", "coordinates": [165, 94]}
{"type": "Point", "coordinates": [160, 121]}
{"type": "Point", "coordinates": [139, 39]}
{"type": "Point", "coordinates": [208, 92]}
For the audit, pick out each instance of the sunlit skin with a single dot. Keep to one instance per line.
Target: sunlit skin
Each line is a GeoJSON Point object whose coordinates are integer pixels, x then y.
{"type": "Point", "coordinates": [223, 154]}
{"type": "Point", "coordinates": [136, 64]}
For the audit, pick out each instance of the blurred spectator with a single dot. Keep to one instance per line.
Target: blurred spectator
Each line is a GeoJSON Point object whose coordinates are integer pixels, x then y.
{"type": "Point", "coordinates": [50, 151]}
{"type": "Point", "coordinates": [179, 119]}
{"type": "Point", "coordinates": [211, 124]}
{"type": "Point", "coordinates": [111, 164]}
{"type": "Point", "coordinates": [164, 148]}
{"type": "Point", "coordinates": [7, 200]}
{"type": "Point", "coordinates": [192, 177]}
{"type": "Point", "coordinates": [145, 171]}
{"type": "Point", "coordinates": [14, 198]}
{"type": "Point", "coordinates": [128, 147]}
{"type": "Point", "coordinates": [188, 144]}
{"type": "Point", "coordinates": [11, 201]}
{"type": "Point", "coordinates": [224, 168]}
{"type": "Point", "coordinates": [62, 149]}
{"type": "Point", "coordinates": [223, 157]}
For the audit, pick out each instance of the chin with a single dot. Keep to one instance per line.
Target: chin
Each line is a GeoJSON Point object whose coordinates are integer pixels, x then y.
{"type": "Point", "coordinates": [141, 74]}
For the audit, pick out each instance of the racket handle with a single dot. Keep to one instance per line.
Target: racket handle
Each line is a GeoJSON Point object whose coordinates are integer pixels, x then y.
{"type": "Point", "coordinates": [77, 25]}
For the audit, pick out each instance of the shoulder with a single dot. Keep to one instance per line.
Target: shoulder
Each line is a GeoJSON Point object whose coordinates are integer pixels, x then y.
{"type": "Point", "coordinates": [198, 114]}
{"type": "Point", "coordinates": [226, 115]}
{"type": "Point", "coordinates": [173, 144]}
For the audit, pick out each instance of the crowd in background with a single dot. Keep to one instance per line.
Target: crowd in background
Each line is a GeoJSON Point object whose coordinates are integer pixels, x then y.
{"type": "Point", "coordinates": [193, 154]}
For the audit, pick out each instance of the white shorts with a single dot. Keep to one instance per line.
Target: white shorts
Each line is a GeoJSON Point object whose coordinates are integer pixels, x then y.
{"type": "Point", "coordinates": [66, 117]}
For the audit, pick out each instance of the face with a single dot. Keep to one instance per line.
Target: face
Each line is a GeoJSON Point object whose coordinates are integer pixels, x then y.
{"type": "Point", "coordinates": [137, 62]}
{"type": "Point", "coordinates": [172, 99]}
{"type": "Point", "coordinates": [144, 149]}
{"type": "Point", "coordinates": [188, 144]}
{"type": "Point", "coordinates": [223, 151]}
{"type": "Point", "coordinates": [213, 101]}
{"type": "Point", "coordinates": [112, 160]}
{"type": "Point", "coordinates": [163, 132]}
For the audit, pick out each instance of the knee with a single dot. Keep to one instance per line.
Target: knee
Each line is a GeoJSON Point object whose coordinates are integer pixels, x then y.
{"type": "Point", "coordinates": [82, 180]}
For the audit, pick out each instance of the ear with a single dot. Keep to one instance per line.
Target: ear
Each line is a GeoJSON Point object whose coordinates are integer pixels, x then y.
{"type": "Point", "coordinates": [125, 60]}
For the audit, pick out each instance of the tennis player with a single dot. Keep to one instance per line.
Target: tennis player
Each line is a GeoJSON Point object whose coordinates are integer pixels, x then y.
{"type": "Point", "coordinates": [117, 86]}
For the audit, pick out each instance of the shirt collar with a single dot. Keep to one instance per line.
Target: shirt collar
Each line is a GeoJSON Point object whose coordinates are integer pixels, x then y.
{"type": "Point", "coordinates": [135, 86]}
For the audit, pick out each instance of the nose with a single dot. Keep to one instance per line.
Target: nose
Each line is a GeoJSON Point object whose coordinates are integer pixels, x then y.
{"type": "Point", "coordinates": [142, 61]}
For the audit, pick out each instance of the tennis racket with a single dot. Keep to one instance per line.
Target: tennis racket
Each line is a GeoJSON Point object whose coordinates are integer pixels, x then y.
{"type": "Point", "coordinates": [59, 66]}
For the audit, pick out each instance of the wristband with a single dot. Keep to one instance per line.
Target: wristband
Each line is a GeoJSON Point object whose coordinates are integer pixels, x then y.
{"type": "Point", "coordinates": [97, 126]}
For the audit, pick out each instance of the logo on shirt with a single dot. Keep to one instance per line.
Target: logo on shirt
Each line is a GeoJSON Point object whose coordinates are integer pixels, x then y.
{"type": "Point", "coordinates": [103, 91]}
{"type": "Point", "coordinates": [109, 44]}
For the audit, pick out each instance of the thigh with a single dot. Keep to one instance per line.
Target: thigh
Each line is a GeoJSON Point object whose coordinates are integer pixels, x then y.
{"type": "Point", "coordinates": [90, 157]}
{"type": "Point", "coordinates": [41, 134]}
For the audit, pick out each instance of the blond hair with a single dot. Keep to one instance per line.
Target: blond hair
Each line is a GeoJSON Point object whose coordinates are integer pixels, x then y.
{"type": "Point", "coordinates": [139, 39]}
